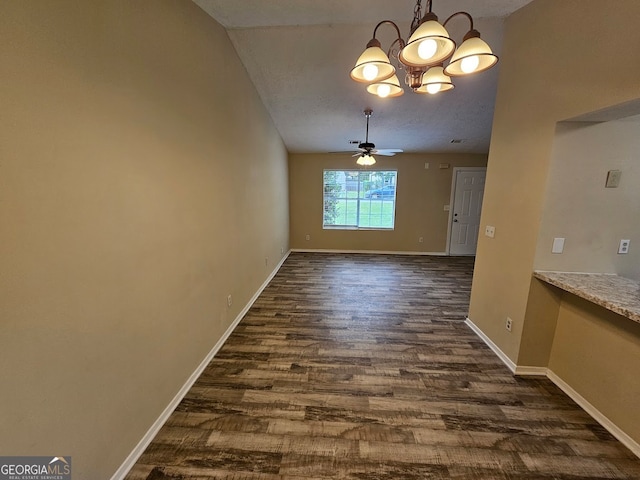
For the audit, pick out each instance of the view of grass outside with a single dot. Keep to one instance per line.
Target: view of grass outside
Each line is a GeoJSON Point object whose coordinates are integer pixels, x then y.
{"type": "Point", "coordinates": [359, 199]}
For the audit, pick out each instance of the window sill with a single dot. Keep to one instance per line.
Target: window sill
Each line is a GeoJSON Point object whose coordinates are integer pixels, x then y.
{"type": "Point", "coordinates": [381, 229]}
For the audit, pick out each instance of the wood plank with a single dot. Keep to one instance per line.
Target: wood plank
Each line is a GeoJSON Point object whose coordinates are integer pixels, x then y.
{"type": "Point", "coordinates": [361, 367]}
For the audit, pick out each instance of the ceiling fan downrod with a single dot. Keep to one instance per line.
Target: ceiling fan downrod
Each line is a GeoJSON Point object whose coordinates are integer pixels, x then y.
{"type": "Point", "coordinates": [366, 145]}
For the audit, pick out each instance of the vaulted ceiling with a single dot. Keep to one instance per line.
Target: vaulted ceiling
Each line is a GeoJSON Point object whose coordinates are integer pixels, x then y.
{"type": "Point", "coordinates": [298, 54]}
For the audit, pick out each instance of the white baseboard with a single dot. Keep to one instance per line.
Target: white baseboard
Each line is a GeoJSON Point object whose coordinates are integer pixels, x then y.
{"type": "Point", "coordinates": [164, 416]}
{"type": "Point", "coordinates": [597, 415]}
{"type": "Point", "coordinates": [501, 355]}
{"type": "Point", "coordinates": [525, 371]}
{"type": "Point", "coordinates": [522, 370]}
{"type": "Point", "coordinates": [370, 252]}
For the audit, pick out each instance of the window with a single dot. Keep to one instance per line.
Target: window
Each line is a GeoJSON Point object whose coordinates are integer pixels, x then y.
{"type": "Point", "coordinates": [359, 199]}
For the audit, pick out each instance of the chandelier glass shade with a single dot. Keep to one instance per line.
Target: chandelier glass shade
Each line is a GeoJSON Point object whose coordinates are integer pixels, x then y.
{"type": "Point", "coordinates": [389, 87]}
{"type": "Point", "coordinates": [373, 65]}
{"type": "Point", "coordinates": [434, 80]}
{"type": "Point", "coordinates": [473, 56]}
{"type": "Point", "coordinates": [422, 56]}
{"type": "Point", "coordinates": [428, 45]}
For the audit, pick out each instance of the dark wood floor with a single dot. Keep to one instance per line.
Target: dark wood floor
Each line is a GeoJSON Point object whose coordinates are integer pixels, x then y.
{"type": "Point", "coordinates": [360, 367]}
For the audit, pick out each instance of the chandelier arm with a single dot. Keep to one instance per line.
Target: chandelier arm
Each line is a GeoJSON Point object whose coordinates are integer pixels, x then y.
{"type": "Point", "coordinates": [375, 30]}
{"type": "Point", "coordinates": [444, 24]}
{"type": "Point", "coordinates": [392, 53]}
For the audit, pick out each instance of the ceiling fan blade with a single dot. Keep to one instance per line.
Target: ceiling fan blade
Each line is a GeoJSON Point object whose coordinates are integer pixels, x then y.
{"type": "Point", "coordinates": [388, 152]}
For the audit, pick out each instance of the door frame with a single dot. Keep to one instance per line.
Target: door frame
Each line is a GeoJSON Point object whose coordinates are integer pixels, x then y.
{"type": "Point", "coordinates": [453, 196]}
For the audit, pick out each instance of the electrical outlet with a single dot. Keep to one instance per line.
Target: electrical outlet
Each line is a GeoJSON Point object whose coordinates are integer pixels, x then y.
{"type": "Point", "coordinates": [307, 237]}
{"type": "Point", "coordinates": [508, 324]}
{"type": "Point", "coordinates": [229, 301]}
{"type": "Point", "coordinates": [490, 231]}
{"type": "Point", "coordinates": [624, 246]}
{"type": "Point", "coordinates": [421, 240]}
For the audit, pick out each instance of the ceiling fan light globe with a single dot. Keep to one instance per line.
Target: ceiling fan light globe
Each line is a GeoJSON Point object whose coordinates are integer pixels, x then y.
{"type": "Point", "coordinates": [366, 160]}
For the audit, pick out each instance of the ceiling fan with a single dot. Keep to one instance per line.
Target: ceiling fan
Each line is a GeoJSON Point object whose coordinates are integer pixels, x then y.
{"type": "Point", "coordinates": [366, 149]}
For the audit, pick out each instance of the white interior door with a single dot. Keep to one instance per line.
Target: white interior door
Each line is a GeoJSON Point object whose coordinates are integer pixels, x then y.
{"type": "Point", "coordinates": [468, 189]}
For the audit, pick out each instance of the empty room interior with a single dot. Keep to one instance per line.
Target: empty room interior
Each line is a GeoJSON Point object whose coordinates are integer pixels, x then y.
{"type": "Point", "coordinates": [201, 276]}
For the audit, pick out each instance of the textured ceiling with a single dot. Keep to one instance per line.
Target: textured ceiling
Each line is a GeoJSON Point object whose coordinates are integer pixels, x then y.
{"type": "Point", "coordinates": [298, 54]}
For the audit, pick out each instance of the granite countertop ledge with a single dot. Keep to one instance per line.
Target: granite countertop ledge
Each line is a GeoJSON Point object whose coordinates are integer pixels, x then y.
{"type": "Point", "coordinates": [618, 294]}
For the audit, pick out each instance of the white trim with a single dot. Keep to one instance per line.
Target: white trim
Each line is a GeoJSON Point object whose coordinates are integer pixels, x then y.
{"type": "Point", "coordinates": [164, 416]}
{"type": "Point", "coordinates": [598, 416]}
{"type": "Point", "coordinates": [501, 355]}
{"type": "Point", "coordinates": [371, 252]}
{"type": "Point", "coordinates": [525, 371]}
{"type": "Point", "coordinates": [520, 370]}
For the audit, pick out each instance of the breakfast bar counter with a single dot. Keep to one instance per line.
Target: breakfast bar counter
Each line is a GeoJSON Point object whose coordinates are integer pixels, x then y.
{"type": "Point", "coordinates": [613, 292]}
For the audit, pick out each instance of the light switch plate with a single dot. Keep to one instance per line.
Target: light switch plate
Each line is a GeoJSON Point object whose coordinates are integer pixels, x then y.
{"type": "Point", "coordinates": [613, 178]}
{"type": "Point", "coordinates": [558, 245]}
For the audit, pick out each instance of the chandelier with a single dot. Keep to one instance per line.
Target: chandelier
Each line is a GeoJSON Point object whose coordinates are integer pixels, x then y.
{"type": "Point", "coordinates": [422, 56]}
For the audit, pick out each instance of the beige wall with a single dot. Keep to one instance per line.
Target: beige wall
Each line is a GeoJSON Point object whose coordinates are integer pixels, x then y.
{"type": "Point", "coordinates": [421, 197]}
{"type": "Point", "coordinates": [141, 181]}
{"type": "Point", "coordinates": [578, 207]}
{"type": "Point", "coordinates": [597, 353]}
{"type": "Point", "coordinates": [593, 350]}
{"type": "Point", "coordinates": [560, 59]}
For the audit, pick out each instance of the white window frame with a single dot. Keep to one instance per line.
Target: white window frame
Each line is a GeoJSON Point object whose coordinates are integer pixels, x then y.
{"type": "Point", "coordinates": [356, 207]}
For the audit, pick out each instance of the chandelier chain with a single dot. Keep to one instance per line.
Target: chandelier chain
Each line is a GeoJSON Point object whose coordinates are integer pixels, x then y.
{"type": "Point", "coordinates": [417, 15]}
